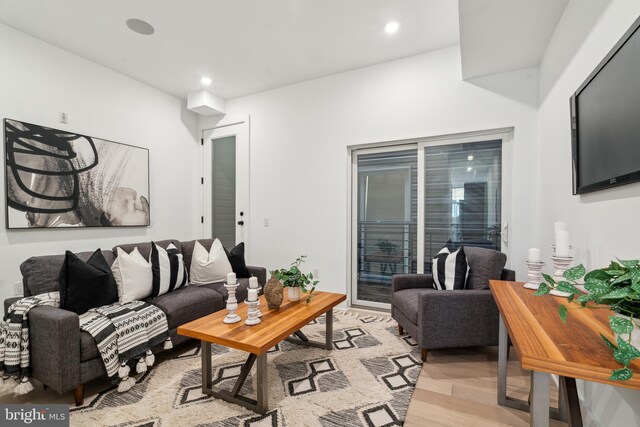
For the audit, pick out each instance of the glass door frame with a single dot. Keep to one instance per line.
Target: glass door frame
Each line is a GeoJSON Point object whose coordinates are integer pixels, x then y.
{"type": "Point", "coordinates": [503, 134]}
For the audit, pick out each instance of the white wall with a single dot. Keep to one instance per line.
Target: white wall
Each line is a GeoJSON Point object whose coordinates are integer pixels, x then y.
{"type": "Point", "coordinates": [37, 81]}
{"type": "Point", "coordinates": [299, 139]}
{"type": "Point", "coordinates": [602, 225]}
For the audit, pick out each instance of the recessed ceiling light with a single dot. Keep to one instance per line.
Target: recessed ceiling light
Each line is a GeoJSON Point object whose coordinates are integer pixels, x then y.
{"type": "Point", "coordinates": [140, 26]}
{"type": "Point", "coordinates": [469, 169]}
{"type": "Point", "coordinates": [391, 27]}
{"type": "Point", "coordinates": [205, 81]}
{"type": "Point", "coordinates": [469, 158]}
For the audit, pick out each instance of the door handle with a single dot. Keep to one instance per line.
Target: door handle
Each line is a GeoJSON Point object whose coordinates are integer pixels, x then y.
{"type": "Point", "coordinates": [240, 222]}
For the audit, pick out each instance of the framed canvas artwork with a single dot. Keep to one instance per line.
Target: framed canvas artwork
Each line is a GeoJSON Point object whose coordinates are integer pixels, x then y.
{"type": "Point", "coordinates": [56, 178]}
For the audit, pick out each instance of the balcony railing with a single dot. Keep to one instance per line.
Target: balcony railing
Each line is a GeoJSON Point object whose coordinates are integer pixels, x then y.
{"type": "Point", "coordinates": [386, 248]}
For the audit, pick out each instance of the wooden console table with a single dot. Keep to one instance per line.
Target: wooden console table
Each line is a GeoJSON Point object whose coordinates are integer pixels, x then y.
{"type": "Point", "coordinates": [546, 346]}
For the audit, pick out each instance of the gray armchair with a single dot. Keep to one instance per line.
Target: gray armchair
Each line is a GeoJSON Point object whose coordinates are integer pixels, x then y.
{"type": "Point", "coordinates": [451, 318]}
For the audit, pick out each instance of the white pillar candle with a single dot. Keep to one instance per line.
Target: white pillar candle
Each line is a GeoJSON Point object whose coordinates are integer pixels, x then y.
{"type": "Point", "coordinates": [562, 243]}
{"type": "Point", "coordinates": [534, 255]}
{"type": "Point", "coordinates": [253, 282]}
{"type": "Point", "coordinates": [231, 279]}
{"type": "Point", "coordinates": [253, 295]}
{"type": "Point", "coordinates": [559, 226]}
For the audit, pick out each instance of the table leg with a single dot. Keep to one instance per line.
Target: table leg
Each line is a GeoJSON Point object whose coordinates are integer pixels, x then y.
{"type": "Point", "coordinates": [329, 331]}
{"type": "Point", "coordinates": [301, 338]}
{"type": "Point", "coordinates": [572, 402]}
{"type": "Point", "coordinates": [262, 385]}
{"type": "Point", "coordinates": [539, 400]}
{"type": "Point", "coordinates": [206, 364]}
{"type": "Point", "coordinates": [503, 353]}
{"type": "Point", "coordinates": [503, 346]}
{"type": "Point", "coordinates": [301, 335]}
{"type": "Point", "coordinates": [244, 372]}
{"type": "Point", "coordinates": [562, 399]}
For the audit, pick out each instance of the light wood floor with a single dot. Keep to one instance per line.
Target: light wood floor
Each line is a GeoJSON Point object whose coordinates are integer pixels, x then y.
{"type": "Point", "coordinates": [457, 387]}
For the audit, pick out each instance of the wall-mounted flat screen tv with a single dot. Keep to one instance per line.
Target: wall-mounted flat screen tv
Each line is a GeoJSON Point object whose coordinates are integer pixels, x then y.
{"type": "Point", "coordinates": [605, 120]}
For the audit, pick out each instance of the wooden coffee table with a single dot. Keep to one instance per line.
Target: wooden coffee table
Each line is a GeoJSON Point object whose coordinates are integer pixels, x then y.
{"type": "Point", "coordinates": [276, 326]}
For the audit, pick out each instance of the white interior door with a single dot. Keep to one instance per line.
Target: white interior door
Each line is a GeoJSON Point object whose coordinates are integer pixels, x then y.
{"type": "Point", "coordinates": [225, 182]}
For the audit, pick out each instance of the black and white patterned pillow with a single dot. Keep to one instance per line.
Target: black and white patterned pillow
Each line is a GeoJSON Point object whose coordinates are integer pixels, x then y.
{"type": "Point", "coordinates": [169, 271]}
{"type": "Point", "coordinates": [450, 269]}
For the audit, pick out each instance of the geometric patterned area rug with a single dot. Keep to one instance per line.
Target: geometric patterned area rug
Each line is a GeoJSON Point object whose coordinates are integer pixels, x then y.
{"type": "Point", "coordinates": [366, 380]}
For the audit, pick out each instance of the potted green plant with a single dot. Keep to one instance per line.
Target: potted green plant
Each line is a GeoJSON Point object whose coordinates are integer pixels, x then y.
{"type": "Point", "coordinates": [387, 247]}
{"type": "Point", "coordinates": [616, 287]}
{"type": "Point", "coordinates": [295, 280]}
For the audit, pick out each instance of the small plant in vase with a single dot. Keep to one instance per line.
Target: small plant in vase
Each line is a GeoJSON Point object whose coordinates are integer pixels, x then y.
{"type": "Point", "coordinates": [387, 247]}
{"type": "Point", "coordinates": [616, 287]}
{"type": "Point", "coordinates": [293, 278]}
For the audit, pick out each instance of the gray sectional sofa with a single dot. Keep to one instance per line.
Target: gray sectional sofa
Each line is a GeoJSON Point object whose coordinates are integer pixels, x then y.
{"type": "Point", "coordinates": [63, 357]}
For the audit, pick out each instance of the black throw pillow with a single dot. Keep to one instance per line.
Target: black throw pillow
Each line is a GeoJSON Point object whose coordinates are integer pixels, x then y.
{"type": "Point", "coordinates": [85, 285]}
{"type": "Point", "coordinates": [236, 259]}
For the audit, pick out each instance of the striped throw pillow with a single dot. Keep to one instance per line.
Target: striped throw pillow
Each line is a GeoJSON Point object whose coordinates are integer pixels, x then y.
{"type": "Point", "coordinates": [450, 269]}
{"type": "Point", "coordinates": [169, 272]}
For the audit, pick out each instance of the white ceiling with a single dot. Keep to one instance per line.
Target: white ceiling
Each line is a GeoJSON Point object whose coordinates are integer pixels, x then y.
{"type": "Point", "coordinates": [245, 46]}
{"type": "Point", "coordinates": [498, 36]}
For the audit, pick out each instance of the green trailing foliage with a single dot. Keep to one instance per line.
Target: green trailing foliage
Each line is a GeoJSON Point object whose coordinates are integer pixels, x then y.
{"type": "Point", "coordinates": [293, 277]}
{"type": "Point", "coordinates": [616, 286]}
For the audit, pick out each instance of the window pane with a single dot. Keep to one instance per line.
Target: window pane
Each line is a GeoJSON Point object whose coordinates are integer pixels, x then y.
{"type": "Point", "coordinates": [463, 185]}
{"type": "Point", "coordinates": [387, 211]}
{"type": "Point", "coordinates": [224, 191]}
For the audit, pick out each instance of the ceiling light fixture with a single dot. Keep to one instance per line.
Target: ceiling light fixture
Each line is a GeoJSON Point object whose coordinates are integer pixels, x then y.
{"type": "Point", "coordinates": [205, 81]}
{"type": "Point", "coordinates": [141, 27]}
{"type": "Point", "coordinates": [469, 158]}
{"type": "Point", "coordinates": [469, 169]}
{"type": "Point", "coordinates": [391, 27]}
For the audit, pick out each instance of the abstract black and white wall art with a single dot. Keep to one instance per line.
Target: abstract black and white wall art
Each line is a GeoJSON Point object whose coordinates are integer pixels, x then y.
{"type": "Point", "coordinates": [56, 178]}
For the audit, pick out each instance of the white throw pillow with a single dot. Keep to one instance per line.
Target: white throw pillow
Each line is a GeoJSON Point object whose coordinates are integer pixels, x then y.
{"type": "Point", "coordinates": [209, 267]}
{"type": "Point", "coordinates": [133, 276]}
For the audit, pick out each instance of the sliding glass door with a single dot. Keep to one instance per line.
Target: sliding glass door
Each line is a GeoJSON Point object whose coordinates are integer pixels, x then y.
{"type": "Point", "coordinates": [462, 196]}
{"type": "Point", "coordinates": [410, 200]}
{"type": "Point", "coordinates": [386, 221]}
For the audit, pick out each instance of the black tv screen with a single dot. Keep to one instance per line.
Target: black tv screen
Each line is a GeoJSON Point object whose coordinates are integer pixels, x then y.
{"type": "Point", "coordinates": [606, 120]}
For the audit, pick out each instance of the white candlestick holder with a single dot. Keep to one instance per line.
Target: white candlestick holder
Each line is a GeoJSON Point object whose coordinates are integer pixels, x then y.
{"type": "Point", "coordinates": [259, 312]}
{"type": "Point", "coordinates": [252, 313]}
{"type": "Point", "coordinates": [560, 265]}
{"type": "Point", "coordinates": [232, 304]}
{"type": "Point", "coordinates": [534, 275]}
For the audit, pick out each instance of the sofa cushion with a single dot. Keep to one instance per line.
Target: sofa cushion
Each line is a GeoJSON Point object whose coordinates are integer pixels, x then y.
{"type": "Point", "coordinates": [187, 304]}
{"type": "Point", "coordinates": [484, 264]}
{"type": "Point", "coordinates": [41, 274]}
{"type": "Point", "coordinates": [133, 275]}
{"type": "Point", "coordinates": [88, 347]}
{"type": "Point", "coordinates": [85, 285]}
{"type": "Point", "coordinates": [450, 269]}
{"type": "Point", "coordinates": [168, 270]}
{"type": "Point", "coordinates": [241, 290]}
{"type": "Point", "coordinates": [187, 250]}
{"type": "Point", "coordinates": [408, 300]}
{"type": "Point", "coordinates": [209, 266]}
{"type": "Point", "coordinates": [236, 258]}
{"type": "Point", "coordinates": [145, 247]}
